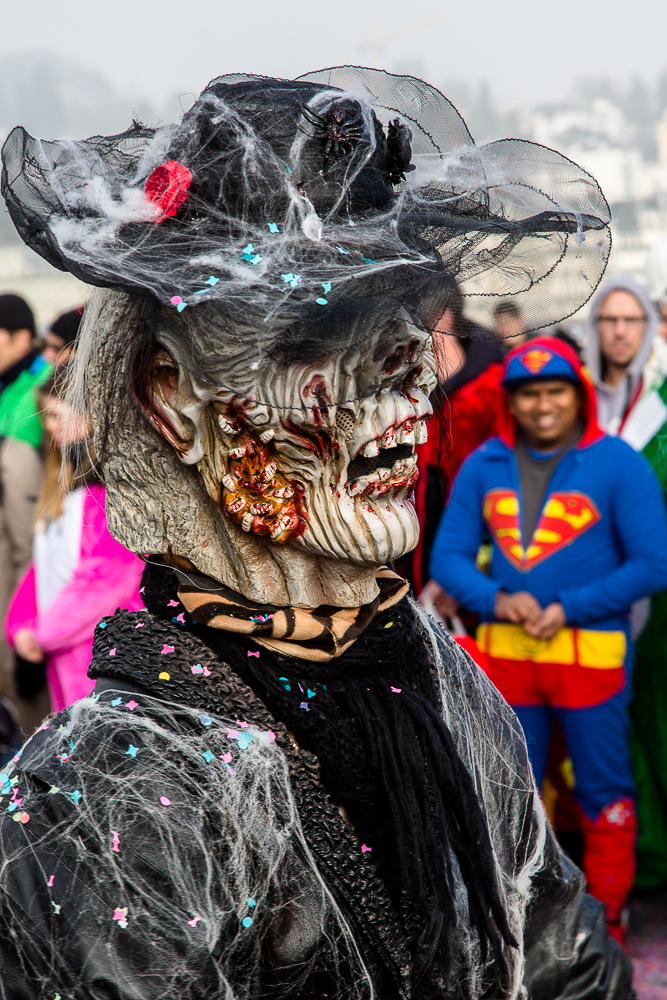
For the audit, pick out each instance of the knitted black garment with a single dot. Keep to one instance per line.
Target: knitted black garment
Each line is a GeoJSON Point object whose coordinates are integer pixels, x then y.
{"type": "Point", "coordinates": [372, 717]}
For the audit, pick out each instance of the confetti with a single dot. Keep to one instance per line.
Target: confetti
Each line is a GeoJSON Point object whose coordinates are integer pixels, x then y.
{"type": "Point", "coordinates": [53, 790]}
{"type": "Point", "coordinates": [132, 704]}
{"type": "Point", "coordinates": [305, 705]}
{"type": "Point", "coordinates": [115, 845]}
{"type": "Point", "coordinates": [365, 847]}
{"type": "Point", "coordinates": [212, 281]}
{"type": "Point", "coordinates": [164, 676]}
{"type": "Point", "coordinates": [193, 922]}
{"type": "Point", "coordinates": [291, 279]}
{"type": "Point", "coordinates": [50, 882]}
{"type": "Point", "coordinates": [311, 694]}
{"type": "Point", "coordinates": [368, 260]}
{"type": "Point", "coordinates": [165, 801]}
{"type": "Point", "coordinates": [208, 756]}
{"type": "Point", "coordinates": [342, 250]}
{"type": "Point", "coordinates": [273, 228]}
{"type": "Point", "coordinates": [56, 907]}
{"type": "Point", "coordinates": [116, 702]}
{"type": "Point", "coordinates": [131, 751]}
{"type": "Point", "coordinates": [166, 649]}
{"type": "Point", "coordinates": [247, 921]}
{"type": "Point", "coordinates": [103, 624]}
{"type": "Point", "coordinates": [389, 624]}
{"type": "Point", "coordinates": [76, 795]}
{"type": "Point", "coordinates": [140, 625]}
{"type": "Point", "coordinates": [173, 604]}
{"type": "Point", "coordinates": [241, 725]}
{"type": "Point", "coordinates": [141, 590]}
{"type": "Point", "coordinates": [197, 669]}
{"type": "Point", "coordinates": [180, 618]}
{"type": "Point", "coordinates": [251, 902]}
{"type": "Point", "coordinates": [176, 300]}
{"type": "Point", "coordinates": [322, 302]}
{"type": "Point", "coordinates": [112, 652]}
{"type": "Point", "coordinates": [226, 757]}
{"type": "Point", "coordinates": [120, 914]}
{"type": "Point", "coordinates": [250, 653]}
{"type": "Point", "coordinates": [396, 690]}
{"type": "Point", "coordinates": [207, 672]}
{"type": "Point", "coordinates": [326, 285]}
{"type": "Point", "coordinates": [205, 720]}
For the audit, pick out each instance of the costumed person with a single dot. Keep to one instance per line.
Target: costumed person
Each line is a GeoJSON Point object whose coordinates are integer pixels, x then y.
{"type": "Point", "coordinates": [287, 780]}
{"type": "Point", "coordinates": [465, 406]}
{"type": "Point", "coordinates": [579, 532]}
{"type": "Point", "coordinates": [78, 572]}
{"type": "Point", "coordinates": [22, 369]}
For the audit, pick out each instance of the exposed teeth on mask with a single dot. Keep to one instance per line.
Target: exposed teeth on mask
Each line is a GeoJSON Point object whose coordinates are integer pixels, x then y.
{"type": "Point", "coordinates": [237, 506]}
{"type": "Point", "coordinates": [389, 438]}
{"type": "Point", "coordinates": [229, 483]}
{"type": "Point", "coordinates": [384, 475]}
{"type": "Point", "coordinates": [371, 449]}
{"type": "Point", "coordinates": [358, 486]}
{"type": "Point", "coordinates": [269, 472]}
{"type": "Point", "coordinates": [237, 452]}
{"type": "Point", "coordinates": [226, 425]}
{"type": "Point", "coordinates": [284, 524]}
{"type": "Point", "coordinates": [246, 523]}
{"type": "Point", "coordinates": [266, 436]}
{"type": "Point", "coordinates": [286, 493]}
{"type": "Point", "coordinates": [258, 509]}
{"type": "Point", "coordinates": [421, 434]}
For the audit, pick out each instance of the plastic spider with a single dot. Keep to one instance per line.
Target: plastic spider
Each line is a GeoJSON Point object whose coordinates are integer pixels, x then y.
{"type": "Point", "coordinates": [340, 128]}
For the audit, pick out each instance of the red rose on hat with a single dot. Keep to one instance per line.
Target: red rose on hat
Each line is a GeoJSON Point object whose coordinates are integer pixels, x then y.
{"type": "Point", "coordinates": [167, 187]}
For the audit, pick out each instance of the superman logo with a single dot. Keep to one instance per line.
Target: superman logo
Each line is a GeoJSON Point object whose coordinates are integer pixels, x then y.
{"type": "Point", "coordinates": [535, 360]}
{"type": "Point", "coordinates": [565, 516]}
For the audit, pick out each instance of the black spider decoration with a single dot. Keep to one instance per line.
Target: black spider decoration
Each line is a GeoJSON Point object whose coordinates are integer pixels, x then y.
{"type": "Point", "coordinates": [341, 128]}
{"type": "Point", "coordinates": [399, 151]}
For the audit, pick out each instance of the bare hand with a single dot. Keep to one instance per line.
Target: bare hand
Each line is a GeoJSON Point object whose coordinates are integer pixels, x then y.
{"type": "Point", "coordinates": [550, 621]}
{"type": "Point", "coordinates": [27, 646]}
{"type": "Point", "coordinates": [521, 608]}
{"type": "Point", "coordinates": [446, 605]}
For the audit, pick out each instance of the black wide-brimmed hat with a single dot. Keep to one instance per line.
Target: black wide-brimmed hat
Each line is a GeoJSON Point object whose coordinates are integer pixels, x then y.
{"type": "Point", "coordinates": [289, 200]}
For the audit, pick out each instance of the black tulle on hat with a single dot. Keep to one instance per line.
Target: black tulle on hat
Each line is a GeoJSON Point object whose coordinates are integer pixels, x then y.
{"type": "Point", "coordinates": [296, 201]}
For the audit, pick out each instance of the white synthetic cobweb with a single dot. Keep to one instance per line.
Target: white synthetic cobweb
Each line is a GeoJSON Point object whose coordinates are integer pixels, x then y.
{"type": "Point", "coordinates": [224, 839]}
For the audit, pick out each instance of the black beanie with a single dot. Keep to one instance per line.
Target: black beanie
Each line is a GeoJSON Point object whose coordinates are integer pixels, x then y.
{"type": "Point", "coordinates": [67, 326]}
{"type": "Point", "coordinates": [16, 314]}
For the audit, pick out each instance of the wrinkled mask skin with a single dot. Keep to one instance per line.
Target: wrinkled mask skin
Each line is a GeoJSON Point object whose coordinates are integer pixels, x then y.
{"type": "Point", "coordinates": [326, 461]}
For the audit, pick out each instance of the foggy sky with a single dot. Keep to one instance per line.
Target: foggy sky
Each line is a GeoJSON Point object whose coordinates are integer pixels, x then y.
{"type": "Point", "coordinates": [529, 50]}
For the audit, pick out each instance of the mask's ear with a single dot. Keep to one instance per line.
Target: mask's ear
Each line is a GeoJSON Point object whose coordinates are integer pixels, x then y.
{"type": "Point", "coordinates": [159, 389]}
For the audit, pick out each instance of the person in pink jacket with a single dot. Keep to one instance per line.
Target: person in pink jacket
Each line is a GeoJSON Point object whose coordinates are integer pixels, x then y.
{"type": "Point", "coordinates": [78, 574]}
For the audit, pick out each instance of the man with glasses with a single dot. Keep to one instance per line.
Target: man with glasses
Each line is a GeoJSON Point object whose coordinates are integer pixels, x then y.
{"type": "Point", "coordinates": [628, 361]}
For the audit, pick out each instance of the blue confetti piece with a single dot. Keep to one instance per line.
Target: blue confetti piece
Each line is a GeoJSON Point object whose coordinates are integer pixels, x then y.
{"type": "Point", "coordinates": [251, 259]}
{"type": "Point", "coordinates": [322, 302]}
{"type": "Point", "coordinates": [326, 285]}
{"type": "Point", "coordinates": [247, 921]}
{"type": "Point", "coordinates": [291, 279]}
{"type": "Point", "coordinates": [342, 250]}
{"type": "Point", "coordinates": [368, 260]}
{"type": "Point", "coordinates": [11, 807]}
{"type": "Point", "coordinates": [4, 778]}
{"type": "Point", "coordinates": [244, 742]}
{"type": "Point", "coordinates": [205, 720]}
{"type": "Point", "coordinates": [249, 249]}
{"type": "Point", "coordinates": [75, 796]}
{"type": "Point", "coordinates": [212, 281]}
{"type": "Point", "coordinates": [273, 228]}
{"type": "Point", "coordinates": [103, 624]}
{"type": "Point", "coordinates": [131, 751]}
{"type": "Point", "coordinates": [305, 706]}
{"type": "Point", "coordinates": [201, 291]}
{"type": "Point", "coordinates": [181, 306]}
{"type": "Point", "coordinates": [311, 694]}
{"type": "Point", "coordinates": [116, 702]}
{"type": "Point", "coordinates": [251, 902]}
{"type": "Point", "coordinates": [208, 756]}
{"type": "Point", "coordinates": [286, 685]}
{"type": "Point", "coordinates": [288, 168]}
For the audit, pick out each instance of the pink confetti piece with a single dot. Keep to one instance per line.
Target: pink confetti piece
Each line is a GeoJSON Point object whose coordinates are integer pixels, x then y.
{"type": "Point", "coordinates": [272, 736]}
{"type": "Point", "coordinates": [173, 604]}
{"type": "Point", "coordinates": [365, 847]}
{"type": "Point", "coordinates": [115, 846]}
{"type": "Point", "coordinates": [241, 725]}
{"type": "Point", "coordinates": [112, 652]}
{"type": "Point", "coordinates": [226, 758]}
{"type": "Point", "coordinates": [140, 625]}
{"type": "Point", "coordinates": [120, 914]}
{"type": "Point", "coordinates": [175, 301]}
{"type": "Point", "coordinates": [41, 729]}
{"type": "Point", "coordinates": [165, 801]}
{"type": "Point", "coordinates": [193, 922]}
{"type": "Point", "coordinates": [250, 653]}
{"type": "Point", "coordinates": [132, 705]}
{"type": "Point", "coordinates": [207, 672]}
{"type": "Point", "coordinates": [396, 690]}
{"type": "Point", "coordinates": [141, 590]}
{"type": "Point", "coordinates": [181, 618]}
{"type": "Point", "coordinates": [233, 734]}
{"type": "Point", "coordinates": [165, 649]}
{"type": "Point", "coordinates": [24, 818]}
{"type": "Point", "coordinates": [50, 882]}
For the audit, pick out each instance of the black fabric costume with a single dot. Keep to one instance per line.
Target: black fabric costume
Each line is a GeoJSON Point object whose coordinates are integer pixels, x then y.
{"type": "Point", "coordinates": [568, 953]}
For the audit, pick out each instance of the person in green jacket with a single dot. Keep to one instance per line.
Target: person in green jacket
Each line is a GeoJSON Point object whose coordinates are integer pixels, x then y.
{"type": "Point", "coordinates": [22, 369]}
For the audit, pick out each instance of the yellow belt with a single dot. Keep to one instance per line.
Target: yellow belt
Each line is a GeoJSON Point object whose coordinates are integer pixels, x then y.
{"type": "Point", "coordinates": [587, 647]}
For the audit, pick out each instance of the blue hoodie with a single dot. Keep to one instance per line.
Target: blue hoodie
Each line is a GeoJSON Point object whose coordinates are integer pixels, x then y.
{"type": "Point", "coordinates": [600, 542]}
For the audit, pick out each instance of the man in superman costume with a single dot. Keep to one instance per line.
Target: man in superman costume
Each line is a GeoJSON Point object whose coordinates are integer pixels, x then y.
{"type": "Point", "coordinates": [578, 532]}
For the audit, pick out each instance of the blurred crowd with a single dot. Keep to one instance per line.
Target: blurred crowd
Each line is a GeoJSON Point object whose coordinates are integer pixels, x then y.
{"type": "Point", "coordinates": [543, 549]}
{"type": "Point", "coordinates": [60, 569]}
